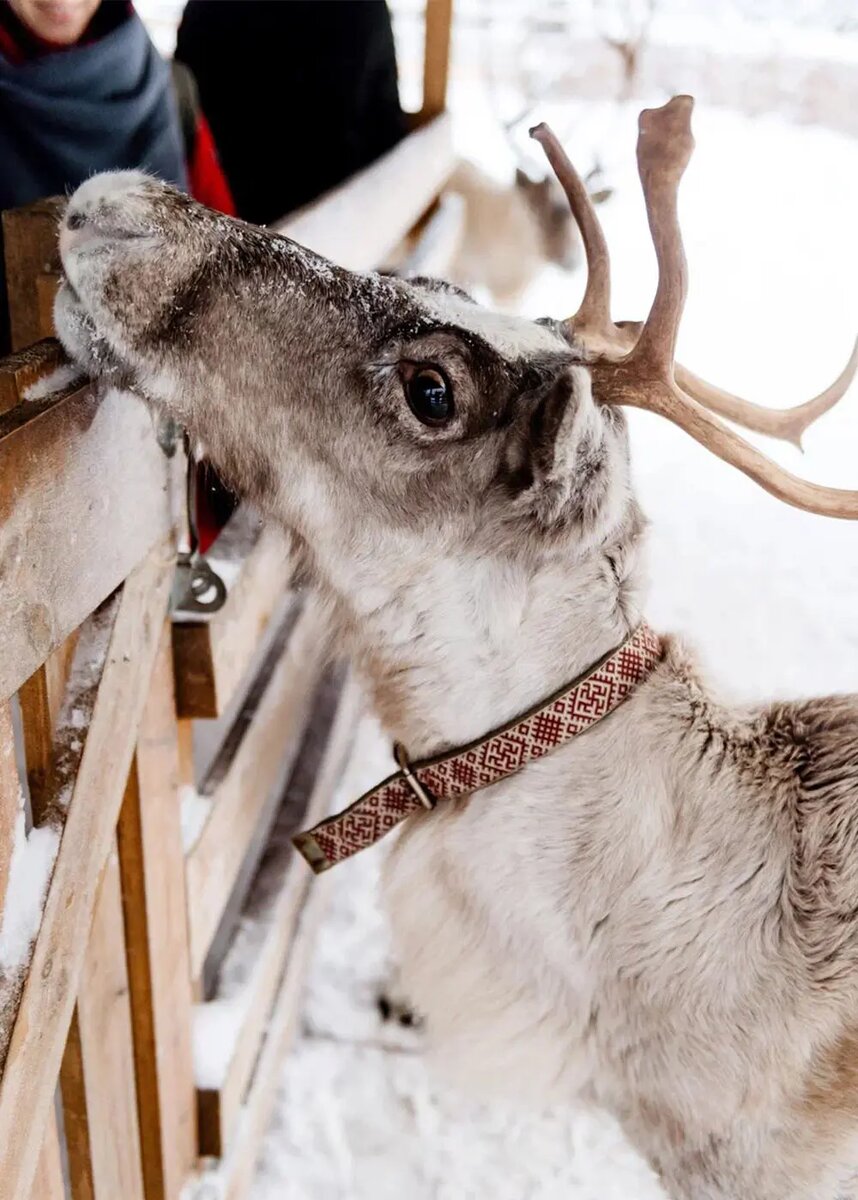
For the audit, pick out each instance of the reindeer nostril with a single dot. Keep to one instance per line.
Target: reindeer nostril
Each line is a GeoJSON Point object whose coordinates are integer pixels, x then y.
{"type": "Point", "coordinates": [75, 220]}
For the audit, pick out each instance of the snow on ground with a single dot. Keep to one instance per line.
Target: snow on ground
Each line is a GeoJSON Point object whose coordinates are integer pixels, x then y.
{"type": "Point", "coordinates": [766, 592]}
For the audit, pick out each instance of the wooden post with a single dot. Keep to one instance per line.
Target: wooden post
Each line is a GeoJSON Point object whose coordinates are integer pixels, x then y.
{"type": "Point", "coordinates": [30, 237]}
{"type": "Point", "coordinates": [49, 1183]}
{"type": "Point", "coordinates": [97, 1074]}
{"type": "Point", "coordinates": [436, 58]}
{"type": "Point", "coordinates": [153, 888]}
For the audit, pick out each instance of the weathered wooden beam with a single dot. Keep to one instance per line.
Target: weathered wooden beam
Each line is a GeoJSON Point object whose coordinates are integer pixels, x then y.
{"type": "Point", "coordinates": [317, 772]}
{"type": "Point", "coordinates": [212, 656]}
{"type": "Point", "coordinates": [30, 237]}
{"type": "Point", "coordinates": [49, 1183]}
{"type": "Point", "coordinates": [47, 286]}
{"type": "Point", "coordinates": [84, 494]}
{"type": "Point", "coordinates": [20, 370]}
{"type": "Point", "coordinates": [97, 1075]}
{"type": "Point", "coordinates": [267, 738]}
{"type": "Point", "coordinates": [153, 887]}
{"type": "Point", "coordinates": [360, 222]}
{"type": "Point", "coordinates": [54, 974]}
{"type": "Point", "coordinates": [41, 698]}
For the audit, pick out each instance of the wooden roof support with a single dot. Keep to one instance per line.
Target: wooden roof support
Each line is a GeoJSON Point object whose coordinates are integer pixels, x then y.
{"type": "Point", "coordinates": [436, 58]}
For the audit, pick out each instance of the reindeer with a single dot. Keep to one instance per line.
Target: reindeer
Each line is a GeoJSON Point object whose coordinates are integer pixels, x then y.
{"type": "Point", "coordinates": [510, 231]}
{"type": "Point", "coordinates": [659, 916]}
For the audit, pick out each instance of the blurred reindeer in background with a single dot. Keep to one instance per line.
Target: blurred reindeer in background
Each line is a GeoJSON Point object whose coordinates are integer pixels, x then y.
{"type": "Point", "coordinates": [513, 228]}
{"type": "Point", "coordinates": [510, 231]}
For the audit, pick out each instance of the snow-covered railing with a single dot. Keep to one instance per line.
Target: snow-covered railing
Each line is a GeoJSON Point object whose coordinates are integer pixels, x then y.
{"type": "Point", "coordinates": [154, 925]}
{"type": "Point", "coordinates": [117, 903]}
{"type": "Point", "coordinates": [86, 546]}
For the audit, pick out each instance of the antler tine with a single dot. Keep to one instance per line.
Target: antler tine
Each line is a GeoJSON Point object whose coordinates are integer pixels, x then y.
{"type": "Point", "coordinates": [593, 326]}
{"type": "Point", "coordinates": [644, 378]}
{"type": "Point", "coordinates": [665, 144]}
{"type": "Point", "coordinates": [787, 423]}
{"type": "Point", "coordinates": [594, 313]}
{"type": "Point", "coordinates": [712, 434]}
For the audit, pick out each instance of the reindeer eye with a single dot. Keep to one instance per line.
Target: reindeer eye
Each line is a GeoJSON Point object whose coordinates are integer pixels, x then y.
{"type": "Point", "coordinates": [429, 396]}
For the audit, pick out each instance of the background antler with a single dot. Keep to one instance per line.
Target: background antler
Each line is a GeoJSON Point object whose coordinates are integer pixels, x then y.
{"type": "Point", "coordinates": [592, 324]}
{"type": "Point", "coordinates": [634, 364]}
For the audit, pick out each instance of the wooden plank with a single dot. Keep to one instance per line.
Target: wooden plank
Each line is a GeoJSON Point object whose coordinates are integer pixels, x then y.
{"type": "Point", "coordinates": [212, 657]}
{"type": "Point", "coordinates": [41, 698]}
{"type": "Point", "coordinates": [308, 798]}
{"type": "Point", "coordinates": [21, 370]}
{"type": "Point", "coordinates": [97, 1065]}
{"type": "Point", "coordinates": [238, 1167]}
{"type": "Point", "coordinates": [260, 758]}
{"type": "Point", "coordinates": [360, 222]}
{"type": "Point", "coordinates": [10, 795]}
{"type": "Point", "coordinates": [153, 886]}
{"type": "Point", "coordinates": [84, 494]}
{"type": "Point", "coordinates": [30, 237]}
{"type": "Point", "coordinates": [436, 57]}
{"type": "Point", "coordinates": [97, 1075]}
{"type": "Point", "coordinates": [68, 747]}
{"type": "Point", "coordinates": [47, 286]}
{"type": "Point", "coordinates": [47, 1001]}
{"type": "Point", "coordinates": [49, 1183]}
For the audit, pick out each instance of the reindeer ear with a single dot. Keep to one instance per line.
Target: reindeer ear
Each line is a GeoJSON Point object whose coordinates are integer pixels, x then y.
{"type": "Point", "coordinates": [566, 453]}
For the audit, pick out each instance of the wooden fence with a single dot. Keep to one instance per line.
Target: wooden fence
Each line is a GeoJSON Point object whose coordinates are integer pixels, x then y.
{"type": "Point", "coordinates": [154, 762]}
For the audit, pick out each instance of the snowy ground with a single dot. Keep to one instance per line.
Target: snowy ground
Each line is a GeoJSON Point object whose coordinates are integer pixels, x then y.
{"type": "Point", "coordinates": [766, 592]}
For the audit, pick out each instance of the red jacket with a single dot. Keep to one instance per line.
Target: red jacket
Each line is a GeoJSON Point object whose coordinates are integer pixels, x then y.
{"type": "Point", "coordinates": [206, 179]}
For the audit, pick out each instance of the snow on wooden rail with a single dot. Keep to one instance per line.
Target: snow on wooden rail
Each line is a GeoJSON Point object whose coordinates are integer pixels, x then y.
{"type": "Point", "coordinates": [84, 495]}
{"type": "Point", "coordinates": [101, 698]}
{"type": "Point", "coordinates": [360, 222]}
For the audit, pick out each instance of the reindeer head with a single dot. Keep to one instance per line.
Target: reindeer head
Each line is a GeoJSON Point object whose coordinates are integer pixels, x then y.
{"type": "Point", "coordinates": [407, 435]}
{"type": "Point", "coordinates": [367, 412]}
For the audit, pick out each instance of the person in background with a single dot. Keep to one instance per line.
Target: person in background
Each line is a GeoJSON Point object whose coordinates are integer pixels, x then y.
{"type": "Point", "coordinates": [83, 89]}
{"type": "Point", "coordinates": [300, 95]}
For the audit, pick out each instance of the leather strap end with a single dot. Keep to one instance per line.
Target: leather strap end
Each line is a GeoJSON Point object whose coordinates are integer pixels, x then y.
{"type": "Point", "coordinates": [311, 851]}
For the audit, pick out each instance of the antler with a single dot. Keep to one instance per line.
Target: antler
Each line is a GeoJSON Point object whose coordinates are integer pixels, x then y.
{"type": "Point", "coordinates": [593, 326]}
{"type": "Point", "coordinates": [633, 364]}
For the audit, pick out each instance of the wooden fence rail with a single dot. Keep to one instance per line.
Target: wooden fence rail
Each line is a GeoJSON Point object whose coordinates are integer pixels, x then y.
{"type": "Point", "coordinates": [152, 765]}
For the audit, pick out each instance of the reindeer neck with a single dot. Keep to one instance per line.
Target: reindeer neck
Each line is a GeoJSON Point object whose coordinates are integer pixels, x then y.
{"type": "Point", "coordinates": [460, 647]}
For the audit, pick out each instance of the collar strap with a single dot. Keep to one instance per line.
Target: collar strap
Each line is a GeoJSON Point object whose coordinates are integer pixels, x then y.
{"type": "Point", "coordinates": [457, 773]}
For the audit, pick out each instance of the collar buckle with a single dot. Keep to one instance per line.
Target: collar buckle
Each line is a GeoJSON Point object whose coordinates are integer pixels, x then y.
{"type": "Point", "coordinates": [411, 779]}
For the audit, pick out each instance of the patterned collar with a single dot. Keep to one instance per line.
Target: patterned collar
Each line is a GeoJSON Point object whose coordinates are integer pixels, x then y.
{"type": "Point", "coordinates": [502, 753]}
